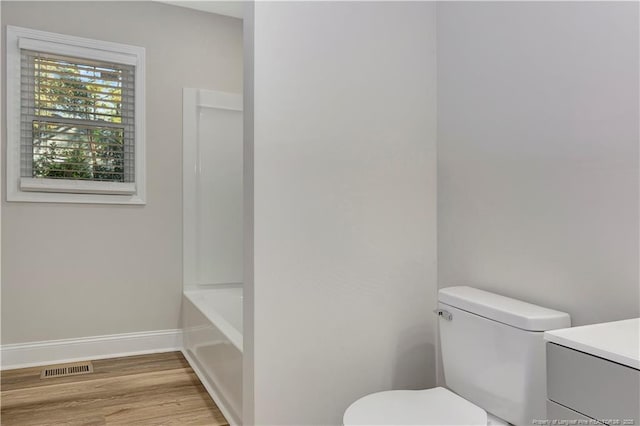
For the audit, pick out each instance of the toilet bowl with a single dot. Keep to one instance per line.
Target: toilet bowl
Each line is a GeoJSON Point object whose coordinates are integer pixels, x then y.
{"type": "Point", "coordinates": [494, 365]}
{"type": "Point", "coordinates": [436, 406]}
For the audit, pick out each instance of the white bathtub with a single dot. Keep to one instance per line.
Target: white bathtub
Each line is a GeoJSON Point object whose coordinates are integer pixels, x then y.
{"type": "Point", "coordinates": [212, 321]}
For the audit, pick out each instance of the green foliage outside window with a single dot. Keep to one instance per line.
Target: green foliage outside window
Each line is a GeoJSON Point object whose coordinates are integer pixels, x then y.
{"type": "Point", "coordinates": [76, 107]}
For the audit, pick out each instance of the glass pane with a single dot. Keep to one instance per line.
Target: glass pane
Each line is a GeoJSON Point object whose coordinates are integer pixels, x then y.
{"type": "Point", "coordinates": [77, 118]}
{"type": "Point", "coordinates": [68, 151]}
{"type": "Point", "coordinates": [75, 90]}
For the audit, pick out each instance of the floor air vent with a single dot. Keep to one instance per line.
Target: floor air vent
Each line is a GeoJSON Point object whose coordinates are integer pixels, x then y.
{"type": "Point", "coordinates": [67, 370]}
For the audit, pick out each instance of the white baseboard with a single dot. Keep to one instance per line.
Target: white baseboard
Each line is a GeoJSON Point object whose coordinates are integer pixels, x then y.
{"type": "Point", "coordinates": [33, 354]}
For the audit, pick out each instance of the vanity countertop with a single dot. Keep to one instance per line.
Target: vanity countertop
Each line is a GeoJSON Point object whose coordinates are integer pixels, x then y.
{"type": "Point", "coordinates": [617, 341]}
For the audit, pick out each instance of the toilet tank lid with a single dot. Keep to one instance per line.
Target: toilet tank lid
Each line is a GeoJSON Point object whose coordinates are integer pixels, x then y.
{"type": "Point", "coordinates": [503, 309]}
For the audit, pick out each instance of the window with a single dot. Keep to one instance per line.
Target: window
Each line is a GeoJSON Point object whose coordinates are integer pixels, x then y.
{"type": "Point", "coordinates": [75, 119]}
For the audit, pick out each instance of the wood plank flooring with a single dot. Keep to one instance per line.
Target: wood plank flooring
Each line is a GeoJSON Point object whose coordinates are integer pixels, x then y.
{"type": "Point", "coordinates": [158, 389]}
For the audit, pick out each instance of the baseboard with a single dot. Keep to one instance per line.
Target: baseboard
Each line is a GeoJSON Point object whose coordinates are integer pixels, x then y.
{"type": "Point", "coordinates": [33, 354]}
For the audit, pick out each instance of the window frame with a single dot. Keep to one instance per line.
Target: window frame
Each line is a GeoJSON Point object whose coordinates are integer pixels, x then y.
{"type": "Point", "coordinates": [29, 189]}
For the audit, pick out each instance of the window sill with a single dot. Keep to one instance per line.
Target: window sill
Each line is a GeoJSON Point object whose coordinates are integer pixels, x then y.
{"type": "Point", "coordinates": [67, 191]}
{"type": "Point", "coordinates": [76, 186]}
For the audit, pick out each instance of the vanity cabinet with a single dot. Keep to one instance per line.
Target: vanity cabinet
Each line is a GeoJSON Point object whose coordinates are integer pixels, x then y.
{"type": "Point", "coordinates": [593, 373]}
{"type": "Point", "coordinates": [595, 387]}
{"type": "Point", "coordinates": [566, 416]}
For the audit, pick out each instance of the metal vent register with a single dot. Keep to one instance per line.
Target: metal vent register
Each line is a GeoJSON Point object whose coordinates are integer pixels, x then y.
{"type": "Point", "coordinates": [64, 370]}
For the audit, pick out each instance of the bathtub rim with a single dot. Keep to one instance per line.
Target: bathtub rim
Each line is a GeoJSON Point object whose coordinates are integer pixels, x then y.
{"type": "Point", "coordinates": [232, 333]}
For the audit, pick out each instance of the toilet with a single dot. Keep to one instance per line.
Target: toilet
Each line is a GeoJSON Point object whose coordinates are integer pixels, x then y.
{"type": "Point", "coordinates": [494, 364]}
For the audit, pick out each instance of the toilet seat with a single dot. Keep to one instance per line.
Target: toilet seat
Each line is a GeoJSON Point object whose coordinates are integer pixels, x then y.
{"type": "Point", "coordinates": [436, 406]}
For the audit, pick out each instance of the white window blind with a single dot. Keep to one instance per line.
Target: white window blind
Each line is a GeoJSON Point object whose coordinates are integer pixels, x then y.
{"type": "Point", "coordinates": [77, 119]}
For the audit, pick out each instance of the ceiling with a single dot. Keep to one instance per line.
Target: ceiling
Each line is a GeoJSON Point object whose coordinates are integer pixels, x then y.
{"type": "Point", "coordinates": [228, 8]}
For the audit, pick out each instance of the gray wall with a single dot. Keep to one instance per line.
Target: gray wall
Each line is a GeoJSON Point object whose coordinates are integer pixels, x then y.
{"type": "Point", "coordinates": [248, 211]}
{"type": "Point", "coordinates": [84, 270]}
{"type": "Point", "coordinates": [344, 271]}
{"type": "Point", "coordinates": [538, 153]}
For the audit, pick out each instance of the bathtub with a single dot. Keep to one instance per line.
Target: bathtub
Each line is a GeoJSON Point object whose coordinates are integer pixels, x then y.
{"type": "Point", "coordinates": [212, 323]}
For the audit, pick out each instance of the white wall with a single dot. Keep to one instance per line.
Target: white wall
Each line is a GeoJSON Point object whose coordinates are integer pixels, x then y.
{"type": "Point", "coordinates": [2, 180]}
{"type": "Point", "coordinates": [212, 188]}
{"type": "Point", "coordinates": [84, 270]}
{"type": "Point", "coordinates": [344, 188]}
{"type": "Point", "coordinates": [538, 126]}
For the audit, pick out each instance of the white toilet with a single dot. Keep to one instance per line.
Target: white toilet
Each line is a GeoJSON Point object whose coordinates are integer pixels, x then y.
{"type": "Point", "coordinates": [493, 355]}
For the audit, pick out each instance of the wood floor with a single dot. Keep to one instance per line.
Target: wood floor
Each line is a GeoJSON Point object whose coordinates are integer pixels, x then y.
{"type": "Point", "coordinates": [159, 389]}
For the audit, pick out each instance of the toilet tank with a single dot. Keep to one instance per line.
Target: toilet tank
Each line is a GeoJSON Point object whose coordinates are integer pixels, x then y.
{"type": "Point", "coordinates": [493, 352]}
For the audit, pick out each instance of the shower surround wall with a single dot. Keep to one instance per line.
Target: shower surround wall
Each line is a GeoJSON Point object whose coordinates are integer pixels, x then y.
{"type": "Point", "coordinates": [126, 258]}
